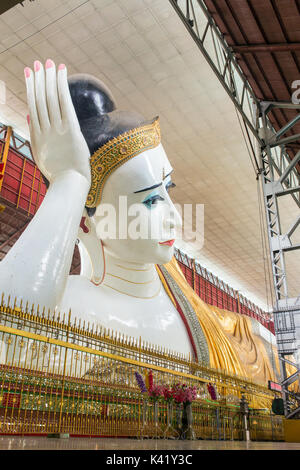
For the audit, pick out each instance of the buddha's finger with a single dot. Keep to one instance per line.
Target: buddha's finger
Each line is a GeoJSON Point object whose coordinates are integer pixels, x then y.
{"type": "Point", "coordinates": [33, 120]}
{"type": "Point", "coordinates": [66, 105]}
{"type": "Point", "coordinates": [52, 94]}
{"type": "Point", "coordinates": [40, 95]}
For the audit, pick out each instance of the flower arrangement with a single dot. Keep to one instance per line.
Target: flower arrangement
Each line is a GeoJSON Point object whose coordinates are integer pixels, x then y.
{"type": "Point", "coordinates": [212, 391]}
{"type": "Point", "coordinates": [179, 393]}
{"type": "Point", "coordinates": [167, 394]}
{"type": "Point", "coordinates": [183, 393]}
{"type": "Point", "coordinates": [156, 392]}
{"type": "Point", "coordinates": [149, 380]}
{"type": "Point", "coordinates": [140, 382]}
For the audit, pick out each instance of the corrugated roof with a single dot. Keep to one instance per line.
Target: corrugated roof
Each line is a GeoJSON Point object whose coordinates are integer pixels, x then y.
{"type": "Point", "coordinates": [265, 37]}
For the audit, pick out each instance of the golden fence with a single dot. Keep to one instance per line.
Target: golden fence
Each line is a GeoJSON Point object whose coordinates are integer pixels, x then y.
{"type": "Point", "coordinates": [58, 376]}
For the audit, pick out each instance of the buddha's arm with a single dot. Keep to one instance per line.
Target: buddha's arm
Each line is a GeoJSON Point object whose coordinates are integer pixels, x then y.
{"type": "Point", "coordinates": [37, 266]}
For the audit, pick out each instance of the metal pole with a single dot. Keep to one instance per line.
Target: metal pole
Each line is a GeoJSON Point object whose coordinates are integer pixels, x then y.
{"type": "Point", "coordinates": [244, 408]}
{"type": "Point", "coordinates": [59, 433]}
{"type": "Point", "coordinates": [218, 423]}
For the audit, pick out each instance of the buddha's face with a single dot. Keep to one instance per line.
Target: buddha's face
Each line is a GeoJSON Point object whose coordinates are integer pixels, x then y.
{"type": "Point", "coordinates": [146, 220]}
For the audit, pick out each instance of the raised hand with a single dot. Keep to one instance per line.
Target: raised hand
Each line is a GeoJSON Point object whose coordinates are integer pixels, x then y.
{"type": "Point", "coordinates": [56, 139]}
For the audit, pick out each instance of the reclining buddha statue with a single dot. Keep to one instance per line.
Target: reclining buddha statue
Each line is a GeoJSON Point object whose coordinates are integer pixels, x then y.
{"type": "Point", "coordinates": [103, 166]}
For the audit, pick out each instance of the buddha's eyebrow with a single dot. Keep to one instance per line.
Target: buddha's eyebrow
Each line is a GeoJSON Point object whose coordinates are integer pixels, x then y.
{"type": "Point", "coordinates": [152, 187]}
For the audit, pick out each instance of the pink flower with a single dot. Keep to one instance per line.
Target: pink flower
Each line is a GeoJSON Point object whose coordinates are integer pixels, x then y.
{"type": "Point", "coordinates": [183, 393]}
{"type": "Point", "coordinates": [156, 391]}
{"type": "Point", "coordinates": [150, 379]}
{"type": "Point", "coordinates": [167, 393]}
{"type": "Point", "coordinates": [212, 391]}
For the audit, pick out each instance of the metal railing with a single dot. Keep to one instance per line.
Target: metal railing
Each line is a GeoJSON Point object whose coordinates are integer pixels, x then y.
{"type": "Point", "coordinates": [57, 376]}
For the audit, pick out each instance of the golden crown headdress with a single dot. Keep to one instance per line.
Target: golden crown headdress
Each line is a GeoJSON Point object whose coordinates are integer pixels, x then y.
{"type": "Point", "coordinates": [118, 151]}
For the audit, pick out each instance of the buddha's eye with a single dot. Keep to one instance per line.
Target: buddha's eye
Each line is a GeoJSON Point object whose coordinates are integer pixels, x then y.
{"type": "Point", "coordinates": [170, 185]}
{"type": "Point", "coordinates": [152, 200]}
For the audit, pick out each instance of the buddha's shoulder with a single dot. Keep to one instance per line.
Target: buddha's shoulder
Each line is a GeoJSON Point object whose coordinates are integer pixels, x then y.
{"type": "Point", "coordinates": [78, 282]}
{"type": "Point", "coordinates": [85, 300]}
{"type": "Point", "coordinates": [81, 285]}
{"type": "Point", "coordinates": [80, 290]}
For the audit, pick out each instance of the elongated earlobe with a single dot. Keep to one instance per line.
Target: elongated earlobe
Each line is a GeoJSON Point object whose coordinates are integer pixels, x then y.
{"type": "Point", "coordinates": [91, 252]}
{"type": "Point", "coordinates": [97, 280]}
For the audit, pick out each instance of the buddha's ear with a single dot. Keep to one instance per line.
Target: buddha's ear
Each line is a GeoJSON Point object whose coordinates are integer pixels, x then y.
{"type": "Point", "coordinates": [91, 250]}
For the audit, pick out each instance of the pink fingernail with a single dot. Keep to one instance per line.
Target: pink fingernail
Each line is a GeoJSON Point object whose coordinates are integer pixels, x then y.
{"type": "Point", "coordinates": [61, 67]}
{"type": "Point", "coordinates": [27, 72]}
{"type": "Point", "coordinates": [28, 119]}
{"type": "Point", "coordinates": [37, 65]}
{"type": "Point", "coordinates": [49, 64]}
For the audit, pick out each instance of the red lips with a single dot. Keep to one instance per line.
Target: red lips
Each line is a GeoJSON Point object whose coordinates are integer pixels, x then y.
{"type": "Point", "coordinates": [168, 242]}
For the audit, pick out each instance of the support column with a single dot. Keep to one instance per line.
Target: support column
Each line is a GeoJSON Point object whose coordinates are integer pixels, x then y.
{"type": "Point", "coordinates": [279, 176]}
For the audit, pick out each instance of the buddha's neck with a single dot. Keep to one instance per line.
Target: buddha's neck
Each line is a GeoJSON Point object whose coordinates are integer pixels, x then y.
{"type": "Point", "coordinates": [131, 279]}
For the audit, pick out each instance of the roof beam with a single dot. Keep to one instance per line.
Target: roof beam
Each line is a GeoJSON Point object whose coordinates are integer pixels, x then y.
{"type": "Point", "coordinates": [8, 4]}
{"type": "Point", "coordinates": [207, 36]}
{"type": "Point", "coordinates": [255, 48]}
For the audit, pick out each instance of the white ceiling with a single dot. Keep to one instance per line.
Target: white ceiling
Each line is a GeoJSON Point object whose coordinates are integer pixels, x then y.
{"type": "Point", "coordinates": [141, 50]}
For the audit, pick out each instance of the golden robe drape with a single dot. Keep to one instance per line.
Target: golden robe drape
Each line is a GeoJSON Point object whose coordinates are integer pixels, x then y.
{"type": "Point", "coordinates": [233, 346]}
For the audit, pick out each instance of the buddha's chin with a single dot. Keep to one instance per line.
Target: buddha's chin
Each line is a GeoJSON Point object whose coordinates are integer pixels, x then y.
{"type": "Point", "coordinates": [160, 255]}
{"type": "Point", "coordinates": [164, 254]}
{"type": "Point", "coordinates": [151, 252]}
